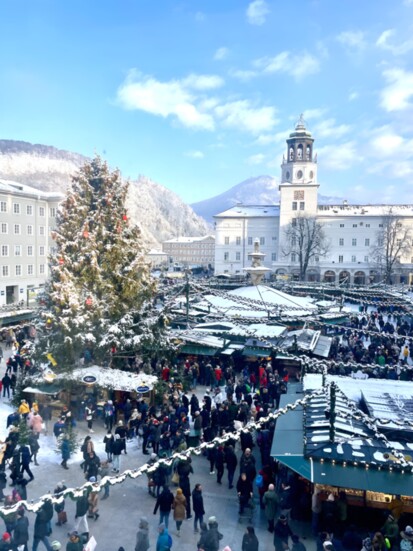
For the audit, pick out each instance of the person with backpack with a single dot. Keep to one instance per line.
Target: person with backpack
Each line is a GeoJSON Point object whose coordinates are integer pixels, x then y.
{"type": "Point", "coordinates": [164, 541]}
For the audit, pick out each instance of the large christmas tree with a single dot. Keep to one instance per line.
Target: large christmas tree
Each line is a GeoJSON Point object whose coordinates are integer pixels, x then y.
{"type": "Point", "coordinates": [98, 273]}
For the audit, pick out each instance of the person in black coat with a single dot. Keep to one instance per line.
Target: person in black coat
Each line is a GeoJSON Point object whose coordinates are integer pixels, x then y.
{"type": "Point", "coordinates": [232, 462]}
{"type": "Point", "coordinates": [41, 525]}
{"type": "Point", "coordinates": [91, 466]}
{"type": "Point", "coordinates": [184, 469]}
{"type": "Point", "coordinates": [250, 540]}
{"type": "Point", "coordinates": [282, 532]}
{"type": "Point", "coordinates": [245, 491]}
{"type": "Point", "coordinates": [21, 532]}
{"type": "Point", "coordinates": [198, 506]}
{"type": "Point", "coordinates": [164, 504]}
{"type": "Point", "coordinates": [108, 441]}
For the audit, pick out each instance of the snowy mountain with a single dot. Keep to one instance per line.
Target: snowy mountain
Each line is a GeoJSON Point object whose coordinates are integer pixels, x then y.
{"type": "Point", "coordinates": [160, 212]}
{"type": "Point", "coordinates": [261, 190]}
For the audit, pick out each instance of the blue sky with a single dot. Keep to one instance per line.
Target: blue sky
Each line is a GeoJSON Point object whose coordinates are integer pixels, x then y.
{"type": "Point", "coordinates": [201, 94]}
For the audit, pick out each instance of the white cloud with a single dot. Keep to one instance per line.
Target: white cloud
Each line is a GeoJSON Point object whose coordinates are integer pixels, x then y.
{"type": "Point", "coordinates": [200, 16]}
{"type": "Point", "coordinates": [221, 53]}
{"type": "Point", "coordinates": [329, 127]}
{"type": "Point", "coordinates": [171, 98]}
{"type": "Point", "coordinates": [195, 154]}
{"type": "Point", "coordinates": [352, 39]}
{"type": "Point", "coordinates": [277, 137]}
{"type": "Point", "coordinates": [339, 156]}
{"type": "Point", "coordinates": [295, 65]}
{"type": "Point", "coordinates": [316, 113]}
{"type": "Point", "coordinates": [243, 116]}
{"type": "Point", "coordinates": [257, 159]}
{"type": "Point", "coordinates": [384, 42]}
{"type": "Point", "coordinates": [353, 96]}
{"type": "Point", "coordinates": [257, 12]}
{"type": "Point", "coordinates": [243, 75]}
{"type": "Point", "coordinates": [203, 82]}
{"type": "Point", "coordinates": [385, 142]}
{"type": "Point", "coordinates": [396, 95]}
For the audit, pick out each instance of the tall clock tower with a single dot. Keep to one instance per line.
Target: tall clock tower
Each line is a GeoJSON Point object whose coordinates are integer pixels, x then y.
{"type": "Point", "coordinates": [298, 187]}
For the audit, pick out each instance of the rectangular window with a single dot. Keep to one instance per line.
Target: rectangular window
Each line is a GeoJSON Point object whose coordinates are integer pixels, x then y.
{"type": "Point", "coordinates": [16, 208]}
{"type": "Point", "coordinates": [262, 240]}
{"type": "Point", "coordinates": [42, 230]}
{"type": "Point", "coordinates": [4, 227]}
{"type": "Point", "coordinates": [18, 270]}
{"type": "Point", "coordinates": [292, 257]}
{"type": "Point", "coordinates": [249, 240]}
{"type": "Point", "coordinates": [341, 225]}
{"type": "Point", "coordinates": [17, 229]}
{"type": "Point", "coordinates": [52, 212]}
{"type": "Point", "coordinates": [354, 242]}
{"type": "Point", "coordinates": [340, 259]}
{"type": "Point", "coordinates": [367, 242]}
{"type": "Point", "coordinates": [294, 222]}
{"type": "Point", "coordinates": [237, 256]}
{"type": "Point", "coordinates": [273, 257]}
{"type": "Point", "coordinates": [238, 240]}
{"type": "Point", "coordinates": [354, 225]}
{"type": "Point", "coordinates": [3, 206]}
{"type": "Point", "coordinates": [366, 259]}
{"type": "Point", "coordinates": [4, 250]}
{"type": "Point", "coordinates": [42, 211]}
{"type": "Point", "coordinates": [302, 205]}
{"type": "Point", "coordinates": [29, 210]}
{"type": "Point", "coordinates": [380, 225]}
{"type": "Point", "coordinates": [29, 250]}
{"type": "Point", "coordinates": [226, 240]}
{"type": "Point", "coordinates": [380, 242]}
{"type": "Point", "coordinates": [226, 256]}
{"type": "Point", "coordinates": [29, 229]}
{"type": "Point", "coordinates": [41, 269]}
{"type": "Point", "coordinates": [30, 269]}
{"type": "Point", "coordinates": [353, 258]}
{"type": "Point", "coordinates": [17, 250]}
{"type": "Point", "coordinates": [294, 205]}
{"type": "Point", "coordinates": [317, 258]}
{"type": "Point", "coordinates": [341, 242]}
{"type": "Point", "coordinates": [41, 250]}
{"type": "Point", "coordinates": [5, 271]}
{"type": "Point", "coordinates": [367, 225]}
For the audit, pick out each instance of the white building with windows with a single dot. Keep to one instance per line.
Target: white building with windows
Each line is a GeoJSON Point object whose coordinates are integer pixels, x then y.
{"type": "Point", "coordinates": [191, 251]}
{"type": "Point", "coordinates": [351, 230]}
{"type": "Point", "coordinates": [27, 217]}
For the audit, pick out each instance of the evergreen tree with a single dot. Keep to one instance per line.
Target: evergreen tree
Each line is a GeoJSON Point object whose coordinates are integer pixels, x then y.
{"type": "Point", "coordinates": [24, 432]}
{"type": "Point", "coordinates": [98, 273]}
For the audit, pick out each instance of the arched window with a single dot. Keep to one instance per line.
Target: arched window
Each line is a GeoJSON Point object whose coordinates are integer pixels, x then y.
{"type": "Point", "coordinates": [291, 154]}
{"type": "Point", "coordinates": [300, 152]}
{"type": "Point", "coordinates": [308, 153]}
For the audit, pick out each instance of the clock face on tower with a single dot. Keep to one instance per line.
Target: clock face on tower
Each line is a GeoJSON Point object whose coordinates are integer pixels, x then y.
{"type": "Point", "coordinates": [299, 174]}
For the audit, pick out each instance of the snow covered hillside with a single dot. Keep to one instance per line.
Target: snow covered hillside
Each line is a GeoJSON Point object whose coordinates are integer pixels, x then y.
{"type": "Point", "coordinates": [160, 212]}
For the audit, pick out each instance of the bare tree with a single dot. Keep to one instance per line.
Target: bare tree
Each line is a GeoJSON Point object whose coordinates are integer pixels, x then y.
{"type": "Point", "coordinates": [304, 240]}
{"type": "Point", "coordinates": [393, 240]}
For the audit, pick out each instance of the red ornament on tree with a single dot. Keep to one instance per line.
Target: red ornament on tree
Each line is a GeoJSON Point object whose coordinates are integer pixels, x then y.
{"type": "Point", "coordinates": [85, 234]}
{"type": "Point", "coordinates": [89, 301]}
{"type": "Point", "coordinates": [61, 261]}
{"type": "Point", "coordinates": [124, 217]}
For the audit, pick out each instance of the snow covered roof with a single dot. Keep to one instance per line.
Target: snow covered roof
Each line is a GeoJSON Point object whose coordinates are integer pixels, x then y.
{"type": "Point", "coordinates": [265, 299]}
{"type": "Point", "coordinates": [9, 186]}
{"type": "Point", "coordinates": [106, 377]}
{"type": "Point", "coordinates": [254, 329]}
{"type": "Point", "coordinates": [363, 210]}
{"type": "Point", "coordinates": [189, 239]}
{"type": "Point", "coordinates": [250, 211]}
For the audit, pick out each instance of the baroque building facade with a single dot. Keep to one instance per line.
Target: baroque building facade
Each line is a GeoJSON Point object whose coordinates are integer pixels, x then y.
{"type": "Point", "coordinates": [351, 231]}
{"type": "Point", "coordinates": [27, 218]}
